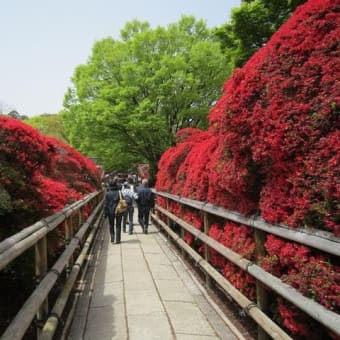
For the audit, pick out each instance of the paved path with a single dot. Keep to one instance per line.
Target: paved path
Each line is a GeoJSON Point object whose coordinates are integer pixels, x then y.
{"type": "Point", "coordinates": [140, 289]}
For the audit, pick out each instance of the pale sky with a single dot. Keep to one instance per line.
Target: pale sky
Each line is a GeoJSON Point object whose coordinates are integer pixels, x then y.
{"type": "Point", "coordinates": [42, 41]}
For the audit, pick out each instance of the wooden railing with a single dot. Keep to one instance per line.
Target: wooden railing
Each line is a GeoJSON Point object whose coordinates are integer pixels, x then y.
{"type": "Point", "coordinates": [78, 235]}
{"type": "Point", "coordinates": [320, 240]}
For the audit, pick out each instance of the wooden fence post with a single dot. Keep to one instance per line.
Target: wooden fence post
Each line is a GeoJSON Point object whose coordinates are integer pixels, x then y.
{"type": "Point", "coordinates": [167, 218]}
{"type": "Point", "coordinates": [69, 232]}
{"type": "Point", "coordinates": [40, 271]}
{"type": "Point", "coordinates": [206, 226]}
{"type": "Point", "coordinates": [261, 292]}
{"type": "Point", "coordinates": [81, 216]}
{"type": "Point", "coordinates": [182, 229]}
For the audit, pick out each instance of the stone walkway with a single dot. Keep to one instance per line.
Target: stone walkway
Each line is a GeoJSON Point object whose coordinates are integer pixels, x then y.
{"type": "Point", "coordinates": [140, 289]}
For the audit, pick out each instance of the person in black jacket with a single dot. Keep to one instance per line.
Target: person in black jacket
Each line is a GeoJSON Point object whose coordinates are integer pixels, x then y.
{"type": "Point", "coordinates": [111, 201]}
{"type": "Point", "coordinates": [145, 202]}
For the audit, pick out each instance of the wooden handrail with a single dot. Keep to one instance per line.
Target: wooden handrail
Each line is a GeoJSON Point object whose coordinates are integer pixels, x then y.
{"type": "Point", "coordinates": [328, 318]}
{"type": "Point", "coordinates": [46, 224]}
{"type": "Point", "coordinates": [14, 246]}
{"type": "Point", "coordinates": [271, 328]}
{"type": "Point", "coordinates": [317, 239]}
{"type": "Point", "coordinates": [52, 322]}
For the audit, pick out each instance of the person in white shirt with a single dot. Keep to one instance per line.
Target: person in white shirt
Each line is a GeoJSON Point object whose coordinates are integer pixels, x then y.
{"type": "Point", "coordinates": [130, 197]}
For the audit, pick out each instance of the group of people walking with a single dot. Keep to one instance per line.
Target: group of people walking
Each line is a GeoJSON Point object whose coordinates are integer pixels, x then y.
{"type": "Point", "coordinates": [142, 196]}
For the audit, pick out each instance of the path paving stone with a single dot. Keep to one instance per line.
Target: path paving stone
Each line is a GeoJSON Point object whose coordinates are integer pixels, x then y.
{"type": "Point", "coordinates": [188, 318]}
{"type": "Point", "coordinates": [140, 290]}
{"type": "Point", "coordinates": [153, 326]}
{"type": "Point", "coordinates": [173, 290]}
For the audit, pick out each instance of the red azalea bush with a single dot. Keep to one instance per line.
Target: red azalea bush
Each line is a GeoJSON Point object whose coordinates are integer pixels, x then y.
{"type": "Point", "coordinates": [273, 149]}
{"type": "Point", "coordinates": [300, 325]}
{"type": "Point", "coordinates": [231, 184]}
{"type": "Point", "coordinates": [56, 194]}
{"type": "Point", "coordinates": [161, 201]}
{"type": "Point", "coordinates": [170, 162]}
{"type": "Point", "coordinates": [70, 166]}
{"type": "Point", "coordinates": [192, 178]}
{"type": "Point", "coordinates": [273, 142]}
{"type": "Point", "coordinates": [239, 238]}
{"type": "Point", "coordinates": [192, 217]}
{"type": "Point", "coordinates": [217, 260]}
{"type": "Point", "coordinates": [38, 175]}
{"type": "Point", "coordinates": [311, 273]}
{"type": "Point", "coordinates": [278, 108]}
{"type": "Point", "coordinates": [184, 134]}
{"type": "Point", "coordinates": [174, 208]}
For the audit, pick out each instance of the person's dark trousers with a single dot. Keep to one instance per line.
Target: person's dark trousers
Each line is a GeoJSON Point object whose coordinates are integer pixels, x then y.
{"type": "Point", "coordinates": [143, 217]}
{"type": "Point", "coordinates": [130, 213]}
{"type": "Point", "coordinates": [119, 219]}
{"type": "Point", "coordinates": [125, 216]}
{"type": "Point", "coordinates": [112, 227]}
{"type": "Point", "coordinates": [146, 219]}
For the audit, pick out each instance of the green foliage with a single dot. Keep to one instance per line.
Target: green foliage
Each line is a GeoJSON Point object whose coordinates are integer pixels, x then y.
{"type": "Point", "coordinates": [133, 94]}
{"type": "Point", "coordinates": [5, 202]}
{"type": "Point", "coordinates": [15, 114]}
{"type": "Point", "coordinates": [251, 26]}
{"type": "Point", "coordinates": [48, 125]}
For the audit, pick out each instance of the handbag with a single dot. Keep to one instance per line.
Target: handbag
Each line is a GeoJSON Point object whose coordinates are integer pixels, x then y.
{"type": "Point", "coordinates": [122, 204]}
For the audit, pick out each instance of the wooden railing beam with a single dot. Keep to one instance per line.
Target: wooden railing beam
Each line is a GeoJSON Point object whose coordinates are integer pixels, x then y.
{"type": "Point", "coordinates": [318, 312]}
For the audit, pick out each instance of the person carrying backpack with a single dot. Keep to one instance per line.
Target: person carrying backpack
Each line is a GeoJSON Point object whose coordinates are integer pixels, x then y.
{"type": "Point", "coordinates": [129, 197]}
{"type": "Point", "coordinates": [145, 202]}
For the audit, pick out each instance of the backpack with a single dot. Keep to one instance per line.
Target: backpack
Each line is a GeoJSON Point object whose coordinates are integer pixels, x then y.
{"type": "Point", "coordinates": [122, 204]}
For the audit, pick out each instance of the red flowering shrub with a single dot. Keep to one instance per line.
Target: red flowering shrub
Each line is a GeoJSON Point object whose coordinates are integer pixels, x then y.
{"type": "Point", "coordinates": [232, 185]}
{"type": "Point", "coordinates": [174, 207]}
{"type": "Point", "coordinates": [239, 238]}
{"type": "Point", "coordinates": [38, 175]}
{"type": "Point", "coordinates": [241, 280]}
{"type": "Point", "coordinates": [21, 144]}
{"type": "Point", "coordinates": [193, 218]}
{"type": "Point", "coordinates": [192, 178]}
{"type": "Point", "coordinates": [217, 260]}
{"type": "Point", "coordinates": [184, 134]}
{"type": "Point", "coordinates": [273, 142]}
{"type": "Point", "coordinates": [275, 112]}
{"type": "Point", "coordinates": [161, 201]}
{"type": "Point", "coordinates": [273, 148]}
{"type": "Point", "coordinates": [312, 274]}
{"type": "Point", "coordinates": [56, 194]}
{"type": "Point", "coordinates": [70, 166]}
{"type": "Point", "coordinates": [299, 324]}
{"type": "Point", "coordinates": [170, 162]}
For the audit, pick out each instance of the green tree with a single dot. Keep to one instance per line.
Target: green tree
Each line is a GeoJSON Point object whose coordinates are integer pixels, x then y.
{"type": "Point", "coordinates": [133, 94]}
{"type": "Point", "coordinates": [49, 125]}
{"type": "Point", "coordinates": [251, 26]}
{"type": "Point", "coordinates": [15, 114]}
